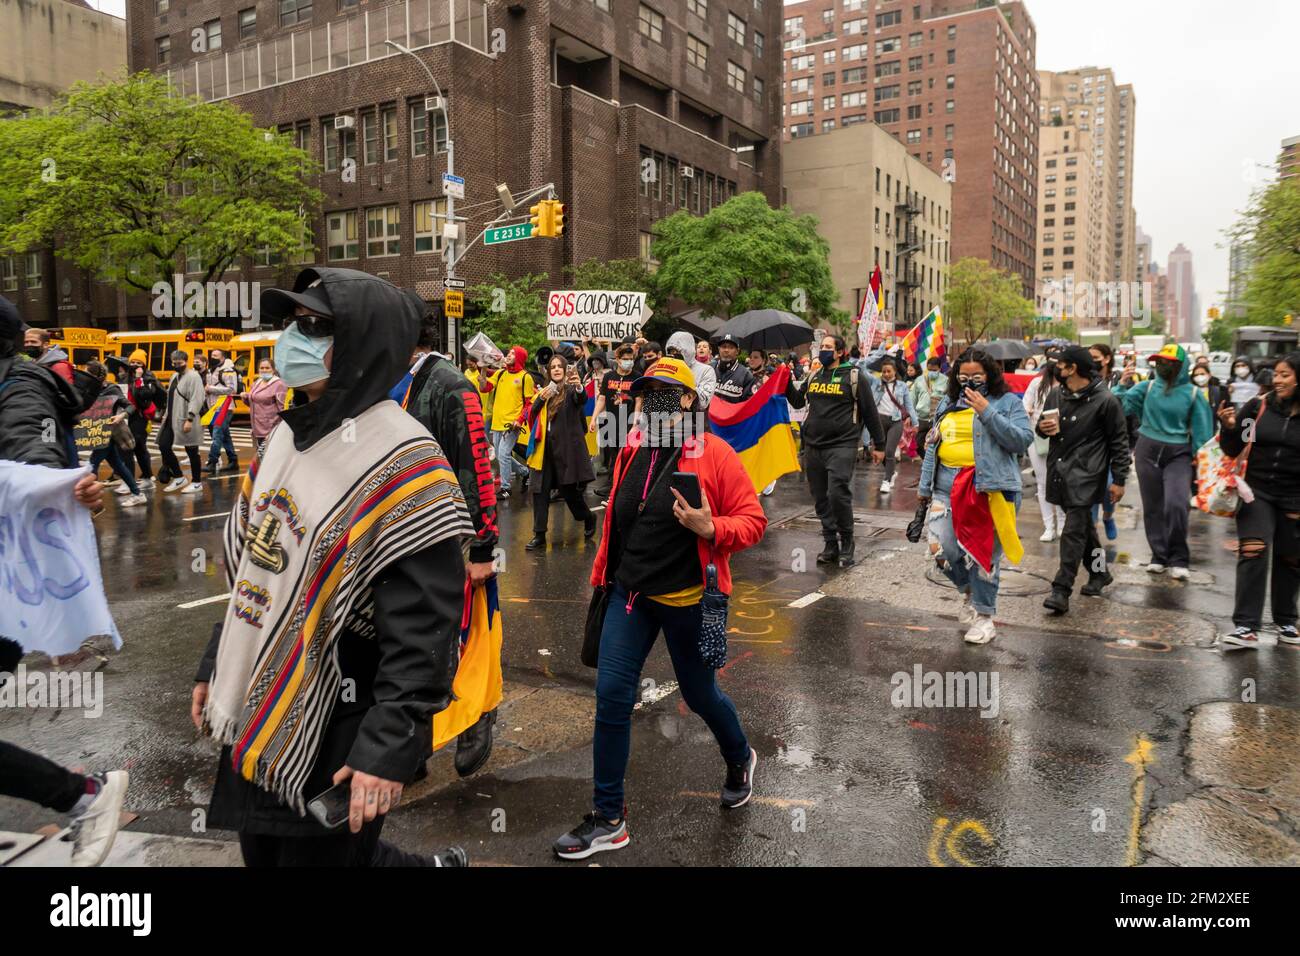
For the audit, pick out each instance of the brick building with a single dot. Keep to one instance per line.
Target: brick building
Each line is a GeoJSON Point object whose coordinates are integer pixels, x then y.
{"type": "Point", "coordinates": [574, 92]}
{"type": "Point", "coordinates": [954, 81]}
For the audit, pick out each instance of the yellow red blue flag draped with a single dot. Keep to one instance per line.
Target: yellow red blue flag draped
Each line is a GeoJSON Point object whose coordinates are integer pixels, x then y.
{"type": "Point", "coordinates": [477, 687]}
{"type": "Point", "coordinates": [758, 429]}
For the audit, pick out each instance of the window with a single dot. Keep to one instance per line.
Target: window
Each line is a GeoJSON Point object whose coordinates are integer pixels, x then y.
{"type": "Point", "coordinates": [952, 82]}
{"type": "Point", "coordinates": [857, 74]}
{"type": "Point", "coordinates": [952, 32]}
{"type": "Point", "coordinates": [792, 25]}
{"type": "Point", "coordinates": [886, 116]}
{"type": "Point", "coordinates": [914, 63]}
{"type": "Point", "coordinates": [341, 235]}
{"type": "Point", "coordinates": [758, 43]}
{"type": "Point", "coordinates": [428, 216]}
{"type": "Point", "coordinates": [892, 68]}
{"type": "Point", "coordinates": [854, 99]}
{"type": "Point", "coordinates": [892, 18]}
{"type": "Point", "coordinates": [248, 23]}
{"type": "Point", "coordinates": [389, 118]}
{"type": "Point", "coordinates": [828, 79]}
{"type": "Point", "coordinates": [952, 56]}
{"type": "Point", "coordinates": [914, 112]}
{"type": "Point", "coordinates": [8, 275]}
{"type": "Point", "coordinates": [736, 77]}
{"type": "Point", "coordinates": [949, 106]}
{"type": "Point", "coordinates": [294, 11]}
{"type": "Point", "coordinates": [801, 108]}
{"type": "Point", "coordinates": [853, 120]}
{"type": "Point", "coordinates": [650, 24]}
{"type": "Point", "coordinates": [796, 62]}
{"type": "Point", "coordinates": [828, 103]}
{"type": "Point", "coordinates": [193, 259]}
{"type": "Point", "coordinates": [798, 130]}
{"type": "Point", "coordinates": [947, 132]}
{"type": "Point", "coordinates": [369, 139]}
{"type": "Point", "coordinates": [736, 28]}
{"type": "Point", "coordinates": [162, 7]}
{"type": "Point", "coordinates": [855, 26]}
{"type": "Point", "coordinates": [887, 92]}
{"type": "Point", "coordinates": [698, 7]}
{"type": "Point", "coordinates": [213, 29]}
{"type": "Point", "coordinates": [892, 45]}
{"type": "Point", "coordinates": [340, 144]}
{"type": "Point", "coordinates": [758, 91]}
{"type": "Point", "coordinates": [697, 54]}
{"type": "Point", "coordinates": [383, 236]}
{"type": "Point", "coordinates": [34, 280]}
{"type": "Point", "coordinates": [913, 137]}
{"type": "Point", "coordinates": [914, 40]}
{"type": "Point", "coordinates": [420, 130]}
{"type": "Point", "coordinates": [828, 125]}
{"type": "Point", "coordinates": [670, 182]}
{"type": "Point", "coordinates": [828, 56]}
{"type": "Point", "coordinates": [856, 52]}
{"type": "Point", "coordinates": [913, 87]}
{"type": "Point", "coordinates": [801, 84]}
{"type": "Point", "coordinates": [647, 165]}
{"type": "Point", "coordinates": [162, 50]}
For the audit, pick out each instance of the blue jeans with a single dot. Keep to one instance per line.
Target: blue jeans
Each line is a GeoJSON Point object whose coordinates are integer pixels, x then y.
{"type": "Point", "coordinates": [625, 643]}
{"type": "Point", "coordinates": [109, 454]}
{"type": "Point", "coordinates": [503, 443]}
{"type": "Point", "coordinates": [961, 570]}
{"type": "Point", "coordinates": [221, 441]}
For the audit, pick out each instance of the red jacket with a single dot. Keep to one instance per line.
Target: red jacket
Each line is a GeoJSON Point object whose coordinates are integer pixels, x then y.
{"type": "Point", "coordinates": [738, 518]}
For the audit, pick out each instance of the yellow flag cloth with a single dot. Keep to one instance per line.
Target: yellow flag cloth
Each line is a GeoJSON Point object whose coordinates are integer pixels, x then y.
{"type": "Point", "coordinates": [477, 687]}
{"type": "Point", "coordinates": [1004, 524]}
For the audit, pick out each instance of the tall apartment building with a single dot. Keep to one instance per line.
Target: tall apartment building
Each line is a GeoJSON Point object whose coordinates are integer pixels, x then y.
{"type": "Point", "coordinates": [1288, 162]}
{"type": "Point", "coordinates": [1182, 320]}
{"type": "Point", "coordinates": [859, 175]}
{"type": "Point", "coordinates": [45, 47]}
{"type": "Point", "coordinates": [1090, 100]}
{"type": "Point", "coordinates": [632, 108]}
{"type": "Point", "coordinates": [1240, 263]}
{"type": "Point", "coordinates": [1070, 221]}
{"type": "Point", "coordinates": [954, 81]}
{"type": "Point", "coordinates": [1141, 255]}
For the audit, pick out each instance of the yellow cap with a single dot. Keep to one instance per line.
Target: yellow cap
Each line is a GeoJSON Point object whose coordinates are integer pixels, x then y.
{"type": "Point", "coordinates": [671, 370]}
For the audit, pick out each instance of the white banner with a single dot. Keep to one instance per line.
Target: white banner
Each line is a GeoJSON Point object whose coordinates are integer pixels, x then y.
{"type": "Point", "coordinates": [51, 592]}
{"type": "Point", "coordinates": [595, 314]}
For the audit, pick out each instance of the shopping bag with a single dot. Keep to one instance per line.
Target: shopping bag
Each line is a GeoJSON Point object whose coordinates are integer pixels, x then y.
{"type": "Point", "coordinates": [1221, 480]}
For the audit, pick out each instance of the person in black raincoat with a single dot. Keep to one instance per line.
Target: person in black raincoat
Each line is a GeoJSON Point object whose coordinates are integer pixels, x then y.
{"type": "Point", "coordinates": [559, 458]}
{"type": "Point", "coordinates": [394, 637]}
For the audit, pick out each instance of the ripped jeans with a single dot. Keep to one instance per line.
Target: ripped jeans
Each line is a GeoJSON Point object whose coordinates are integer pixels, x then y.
{"type": "Point", "coordinates": [962, 571]}
{"type": "Point", "coordinates": [1267, 535]}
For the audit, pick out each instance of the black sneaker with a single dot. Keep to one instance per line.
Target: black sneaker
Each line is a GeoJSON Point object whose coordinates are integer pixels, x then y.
{"type": "Point", "coordinates": [1241, 637]}
{"type": "Point", "coordinates": [452, 856]}
{"type": "Point", "coordinates": [537, 541]}
{"type": "Point", "coordinates": [830, 554]}
{"type": "Point", "coordinates": [846, 553]}
{"type": "Point", "coordinates": [590, 836]}
{"type": "Point", "coordinates": [474, 745]}
{"type": "Point", "coordinates": [739, 785]}
{"type": "Point", "coordinates": [1095, 584]}
{"type": "Point", "coordinates": [1287, 634]}
{"type": "Point", "coordinates": [1058, 601]}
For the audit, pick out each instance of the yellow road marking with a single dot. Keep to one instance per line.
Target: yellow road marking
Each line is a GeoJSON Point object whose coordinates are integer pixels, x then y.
{"type": "Point", "coordinates": [1140, 758]}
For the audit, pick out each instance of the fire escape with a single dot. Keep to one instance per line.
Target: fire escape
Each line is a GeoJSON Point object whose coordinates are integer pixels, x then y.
{"type": "Point", "coordinates": [907, 272]}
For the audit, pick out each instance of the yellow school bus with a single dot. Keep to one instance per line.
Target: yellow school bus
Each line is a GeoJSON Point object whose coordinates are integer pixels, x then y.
{"type": "Point", "coordinates": [247, 351]}
{"type": "Point", "coordinates": [159, 344]}
{"type": "Point", "coordinates": [82, 345]}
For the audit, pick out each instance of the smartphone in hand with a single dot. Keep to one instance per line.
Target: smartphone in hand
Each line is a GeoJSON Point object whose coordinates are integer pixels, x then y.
{"type": "Point", "coordinates": [687, 484]}
{"type": "Point", "coordinates": [331, 807]}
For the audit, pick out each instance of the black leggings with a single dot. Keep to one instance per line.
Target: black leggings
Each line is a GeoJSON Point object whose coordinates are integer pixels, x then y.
{"type": "Point", "coordinates": [170, 463]}
{"type": "Point", "coordinates": [572, 495]}
{"type": "Point", "coordinates": [30, 776]}
{"type": "Point", "coordinates": [140, 432]}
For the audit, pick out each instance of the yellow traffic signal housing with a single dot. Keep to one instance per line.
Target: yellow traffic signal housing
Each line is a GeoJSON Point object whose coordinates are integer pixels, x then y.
{"type": "Point", "coordinates": [538, 218]}
{"type": "Point", "coordinates": [557, 219]}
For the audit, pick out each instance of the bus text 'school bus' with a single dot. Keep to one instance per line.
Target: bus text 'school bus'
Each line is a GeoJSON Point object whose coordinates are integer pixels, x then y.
{"type": "Point", "coordinates": [82, 345]}
{"type": "Point", "coordinates": [159, 345]}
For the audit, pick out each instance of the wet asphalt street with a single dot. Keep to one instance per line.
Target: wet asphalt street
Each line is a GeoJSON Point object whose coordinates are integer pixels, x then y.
{"type": "Point", "coordinates": [1103, 743]}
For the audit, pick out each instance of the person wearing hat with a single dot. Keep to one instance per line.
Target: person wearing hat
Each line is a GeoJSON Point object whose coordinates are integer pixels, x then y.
{"type": "Point", "coordinates": [509, 390]}
{"type": "Point", "coordinates": [557, 449]}
{"type": "Point", "coordinates": [654, 558]}
{"type": "Point", "coordinates": [735, 381]}
{"type": "Point", "coordinates": [613, 412]}
{"type": "Point", "coordinates": [182, 422]}
{"type": "Point", "coordinates": [145, 394]}
{"type": "Point", "coordinates": [1176, 420]}
{"type": "Point", "coordinates": [1088, 441]}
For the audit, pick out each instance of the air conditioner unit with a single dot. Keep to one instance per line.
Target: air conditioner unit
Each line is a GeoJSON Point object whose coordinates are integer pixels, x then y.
{"type": "Point", "coordinates": [344, 122]}
{"type": "Point", "coordinates": [434, 104]}
{"type": "Point", "coordinates": [688, 172]}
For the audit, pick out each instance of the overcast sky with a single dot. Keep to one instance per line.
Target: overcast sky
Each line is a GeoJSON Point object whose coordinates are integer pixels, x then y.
{"type": "Point", "coordinates": [1216, 87]}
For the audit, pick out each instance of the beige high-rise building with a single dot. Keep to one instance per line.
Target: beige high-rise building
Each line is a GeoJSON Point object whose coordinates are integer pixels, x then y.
{"type": "Point", "coordinates": [1089, 104]}
{"type": "Point", "coordinates": [1070, 222]}
{"type": "Point", "coordinates": [874, 203]}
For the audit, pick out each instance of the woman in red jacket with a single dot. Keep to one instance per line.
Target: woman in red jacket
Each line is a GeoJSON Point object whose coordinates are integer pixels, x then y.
{"type": "Point", "coordinates": [653, 553]}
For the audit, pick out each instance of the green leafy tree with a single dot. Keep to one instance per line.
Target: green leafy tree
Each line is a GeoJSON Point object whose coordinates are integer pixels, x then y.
{"type": "Point", "coordinates": [1218, 334]}
{"type": "Point", "coordinates": [746, 255]}
{"type": "Point", "coordinates": [1271, 227]}
{"type": "Point", "coordinates": [510, 311]}
{"type": "Point", "coordinates": [127, 179]}
{"type": "Point", "coordinates": [981, 300]}
{"type": "Point", "coordinates": [624, 275]}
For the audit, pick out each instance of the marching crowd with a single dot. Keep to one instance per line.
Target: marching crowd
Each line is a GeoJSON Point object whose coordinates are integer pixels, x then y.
{"type": "Point", "coordinates": [362, 525]}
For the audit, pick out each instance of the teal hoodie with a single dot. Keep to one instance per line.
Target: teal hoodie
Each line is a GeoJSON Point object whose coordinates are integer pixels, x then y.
{"type": "Point", "coordinates": [1176, 414]}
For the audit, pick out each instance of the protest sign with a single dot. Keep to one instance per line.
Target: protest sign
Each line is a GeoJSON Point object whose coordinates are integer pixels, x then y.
{"type": "Point", "coordinates": [601, 315]}
{"type": "Point", "coordinates": [94, 429]}
{"type": "Point", "coordinates": [51, 591]}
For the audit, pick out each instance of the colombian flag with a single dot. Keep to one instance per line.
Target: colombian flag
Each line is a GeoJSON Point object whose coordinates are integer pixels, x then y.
{"type": "Point", "coordinates": [477, 686]}
{"type": "Point", "coordinates": [924, 341]}
{"type": "Point", "coordinates": [979, 517]}
{"type": "Point", "coordinates": [759, 430]}
{"type": "Point", "coordinates": [219, 414]}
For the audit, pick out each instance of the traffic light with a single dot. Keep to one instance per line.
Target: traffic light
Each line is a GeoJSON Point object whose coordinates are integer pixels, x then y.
{"type": "Point", "coordinates": [557, 219]}
{"type": "Point", "coordinates": [537, 216]}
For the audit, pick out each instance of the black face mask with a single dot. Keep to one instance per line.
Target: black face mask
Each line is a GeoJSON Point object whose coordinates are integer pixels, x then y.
{"type": "Point", "coordinates": [1059, 374]}
{"type": "Point", "coordinates": [33, 352]}
{"type": "Point", "coordinates": [663, 401]}
{"type": "Point", "coordinates": [1167, 370]}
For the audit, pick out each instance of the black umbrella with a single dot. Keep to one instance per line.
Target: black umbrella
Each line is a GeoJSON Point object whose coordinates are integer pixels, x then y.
{"type": "Point", "coordinates": [1008, 350]}
{"type": "Point", "coordinates": [766, 329]}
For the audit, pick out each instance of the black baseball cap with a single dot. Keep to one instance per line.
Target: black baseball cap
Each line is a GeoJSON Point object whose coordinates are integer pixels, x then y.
{"type": "Point", "coordinates": [307, 292]}
{"type": "Point", "coordinates": [726, 339]}
{"type": "Point", "coordinates": [1079, 357]}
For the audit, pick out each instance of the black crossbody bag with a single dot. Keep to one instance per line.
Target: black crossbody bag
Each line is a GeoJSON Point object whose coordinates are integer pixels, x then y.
{"type": "Point", "coordinates": [600, 594]}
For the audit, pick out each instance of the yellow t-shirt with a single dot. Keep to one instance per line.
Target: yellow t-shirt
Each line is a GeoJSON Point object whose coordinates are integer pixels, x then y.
{"type": "Point", "coordinates": [509, 389]}
{"type": "Point", "coordinates": [683, 598]}
{"type": "Point", "coordinates": [957, 439]}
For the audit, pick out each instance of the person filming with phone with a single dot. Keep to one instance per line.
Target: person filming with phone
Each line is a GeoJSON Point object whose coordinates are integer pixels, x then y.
{"type": "Point", "coordinates": [557, 456]}
{"type": "Point", "coordinates": [681, 505]}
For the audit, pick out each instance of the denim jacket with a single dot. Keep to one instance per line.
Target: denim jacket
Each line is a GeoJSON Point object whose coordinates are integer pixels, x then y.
{"type": "Point", "coordinates": [1002, 433]}
{"type": "Point", "coordinates": [902, 400]}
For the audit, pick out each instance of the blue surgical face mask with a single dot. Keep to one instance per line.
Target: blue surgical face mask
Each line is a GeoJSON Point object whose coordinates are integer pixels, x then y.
{"type": "Point", "coordinates": [826, 357]}
{"type": "Point", "coordinates": [301, 358]}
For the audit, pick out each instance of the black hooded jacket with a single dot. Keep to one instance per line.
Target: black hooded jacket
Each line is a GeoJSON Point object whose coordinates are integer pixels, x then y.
{"type": "Point", "coordinates": [1093, 440]}
{"type": "Point", "coordinates": [32, 394]}
{"type": "Point", "coordinates": [403, 672]}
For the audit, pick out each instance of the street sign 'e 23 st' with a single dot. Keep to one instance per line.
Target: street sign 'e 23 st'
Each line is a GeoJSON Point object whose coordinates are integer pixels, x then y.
{"type": "Point", "coordinates": [497, 234]}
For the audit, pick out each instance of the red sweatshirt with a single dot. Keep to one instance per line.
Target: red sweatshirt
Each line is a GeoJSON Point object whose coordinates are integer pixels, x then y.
{"type": "Point", "coordinates": [738, 518]}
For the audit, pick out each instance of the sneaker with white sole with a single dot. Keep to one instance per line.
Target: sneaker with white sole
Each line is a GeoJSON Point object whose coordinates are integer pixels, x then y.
{"type": "Point", "coordinates": [1241, 637]}
{"type": "Point", "coordinates": [739, 785]}
{"type": "Point", "coordinates": [769, 489]}
{"type": "Point", "coordinates": [1179, 574]}
{"type": "Point", "coordinates": [121, 489]}
{"type": "Point", "coordinates": [193, 488]}
{"type": "Point", "coordinates": [144, 484]}
{"type": "Point", "coordinates": [967, 614]}
{"type": "Point", "coordinates": [982, 631]}
{"type": "Point", "coordinates": [94, 829]}
{"type": "Point", "coordinates": [176, 484]}
{"type": "Point", "coordinates": [886, 487]}
{"type": "Point", "coordinates": [592, 835]}
{"type": "Point", "coordinates": [1155, 567]}
{"type": "Point", "coordinates": [130, 501]}
{"type": "Point", "coordinates": [1047, 535]}
{"type": "Point", "coordinates": [1287, 634]}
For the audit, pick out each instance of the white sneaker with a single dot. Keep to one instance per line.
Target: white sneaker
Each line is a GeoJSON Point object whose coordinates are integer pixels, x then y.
{"type": "Point", "coordinates": [982, 631]}
{"type": "Point", "coordinates": [1241, 637]}
{"type": "Point", "coordinates": [886, 487]}
{"type": "Point", "coordinates": [967, 615]}
{"type": "Point", "coordinates": [1155, 568]}
{"type": "Point", "coordinates": [770, 488]}
{"type": "Point", "coordinates": [144, 483]}
{"type": "Point", "coordinates": [130, 501]}
{"type": "Point", "coordinates": [193, 488]}
{"type": "Point", "coordinates": [121, 489]}
{"type": "Point", "coordinates": [93, 831]}
{"type": "Point", "coordinates": [176, 484]}
{"type": "Point", "coordinates": [1179, 574]}
{"type": "Point", "coordinates": [1047, 535]}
